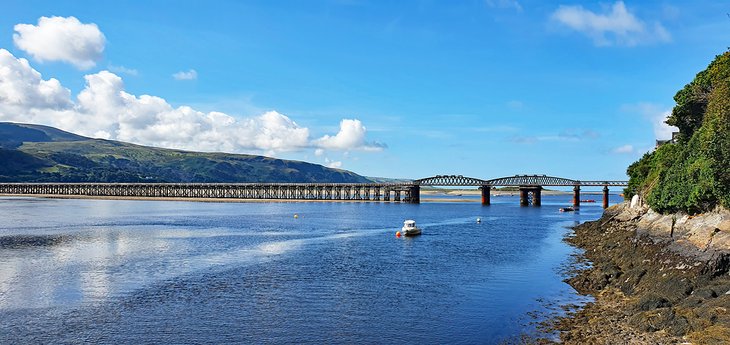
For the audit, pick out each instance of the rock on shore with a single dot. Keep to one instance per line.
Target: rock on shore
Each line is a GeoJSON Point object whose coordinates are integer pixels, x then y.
{"type": "Point", "coordinates": [656, 279]}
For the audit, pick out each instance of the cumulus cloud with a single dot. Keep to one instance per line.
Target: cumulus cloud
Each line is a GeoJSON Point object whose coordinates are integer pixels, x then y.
{"type": "Point", "coordinates": [103, 109]}
{"type": "Point", "coordinates": [616, 26]}
{"type": "Point", "coordinates": [21, 87]}
{"type": "Point", "coordinates": [351, 136]}
{"type": "Point", "coordinates": [332, 164]}
{"type": "Point", "coordinates": [186, 75]}
{"type": "Point", "coordinates": [61, 39]}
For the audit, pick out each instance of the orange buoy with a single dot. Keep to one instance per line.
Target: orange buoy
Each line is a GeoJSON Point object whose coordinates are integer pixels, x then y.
{"type": "Point", "coordinates": [397, 234]}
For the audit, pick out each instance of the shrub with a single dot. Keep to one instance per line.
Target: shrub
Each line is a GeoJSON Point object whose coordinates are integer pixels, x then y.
{"type": "Point", "coordinates": [692, 175]}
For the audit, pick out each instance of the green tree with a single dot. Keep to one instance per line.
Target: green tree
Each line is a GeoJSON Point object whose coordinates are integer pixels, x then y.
{"type": "Point", "coordinates": [692, 175]}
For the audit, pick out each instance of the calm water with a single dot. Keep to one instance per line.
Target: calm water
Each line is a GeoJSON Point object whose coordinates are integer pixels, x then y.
{"type": "Point", "coordinates": [112, 271]}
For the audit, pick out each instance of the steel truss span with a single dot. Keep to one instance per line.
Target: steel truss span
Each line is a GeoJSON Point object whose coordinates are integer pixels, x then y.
{"type": "Point", "coordinates": [450, 180]}
{"type": "Point", "coordinates": [510, 181]}
{"type": "Point", "coordinates": [532, 180]}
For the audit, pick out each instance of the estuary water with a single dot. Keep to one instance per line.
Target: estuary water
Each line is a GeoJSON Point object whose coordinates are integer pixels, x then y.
{"type": "Point", "coordinates": [174, 272]}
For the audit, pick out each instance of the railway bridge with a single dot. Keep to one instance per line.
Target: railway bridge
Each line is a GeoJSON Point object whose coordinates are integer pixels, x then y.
{"type": "Point", "coordinates": [530, 187]}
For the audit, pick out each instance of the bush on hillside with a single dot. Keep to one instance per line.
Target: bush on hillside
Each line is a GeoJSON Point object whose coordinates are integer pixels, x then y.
{"type": "Point", "coordinates": [692, 175]}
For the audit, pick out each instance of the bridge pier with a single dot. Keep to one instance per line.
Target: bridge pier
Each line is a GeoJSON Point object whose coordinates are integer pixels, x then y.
{"type": "Point", "coordinates": [414, 194]}
{"type": "Point", "coordinates": [605, 196]}
{"type": "Point", "coordinates": [524, 201]}
{"type": "Point", "coordinates": [530, 194]}
{"type": "Point", "coordinates": [486, 193]}
{"type": "Point", "coordinates": [576, 196]}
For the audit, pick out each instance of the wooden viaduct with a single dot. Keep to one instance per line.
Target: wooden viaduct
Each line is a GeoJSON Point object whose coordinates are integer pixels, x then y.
{"type": "Point", "coordinates": [530, 187]}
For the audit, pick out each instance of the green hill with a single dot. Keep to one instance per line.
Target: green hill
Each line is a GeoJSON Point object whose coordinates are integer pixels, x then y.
{"type": "Point", "coordinates": [693, 174]}
{"type": "Point", "coordinates": [34, 153]}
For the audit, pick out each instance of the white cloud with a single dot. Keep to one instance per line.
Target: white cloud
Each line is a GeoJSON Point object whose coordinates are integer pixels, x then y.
{"type": "Point", "coordinates": [21, 87]}
{"type": "Point", "coordinates": [318, 152]}
{"type": "Point", "coordinates": [655, 114]}
{"type": "Point", "coordinates": [661, 129]}
{"type": "Point", "coordinates": [122, 69]}
{"type": "Point", "coordinates": [61, 39]}
{"type": "Point", "coordinates": [625, 149]}
{"type": "Point", "coordinates": [616, 26]}
{"type": "Point", "coordinates": [186, 75]}
{"type": "Point", "coordinates": [332, 164]}
{"type": "Point", "coordinates": [103, 109]}
{"type": "Point", "coordinates": [274, 131]}
{"type": "Point", "coordinates": [350, 137]}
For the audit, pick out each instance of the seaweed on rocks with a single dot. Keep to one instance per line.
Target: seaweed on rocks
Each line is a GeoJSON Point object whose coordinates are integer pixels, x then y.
{"type": "Point", "coordinates": [646, 290]}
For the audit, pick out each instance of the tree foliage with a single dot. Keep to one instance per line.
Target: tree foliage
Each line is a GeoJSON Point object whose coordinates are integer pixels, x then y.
{"type": "Point", "coordinates": [692, 175]}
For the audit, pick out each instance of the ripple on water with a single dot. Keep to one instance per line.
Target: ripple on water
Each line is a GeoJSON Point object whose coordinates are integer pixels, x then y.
{"type": "Point", "coordinates": [176, 272]}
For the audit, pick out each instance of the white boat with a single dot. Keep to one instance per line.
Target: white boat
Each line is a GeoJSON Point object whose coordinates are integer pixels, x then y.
{"type": "Point", "coordinates": [410, 228]}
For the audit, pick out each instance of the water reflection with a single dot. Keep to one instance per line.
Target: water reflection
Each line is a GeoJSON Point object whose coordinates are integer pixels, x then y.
{"type": "Point", "coordinates": [42, 271]}
{"type": "Point", "coordinates": [176, 272]}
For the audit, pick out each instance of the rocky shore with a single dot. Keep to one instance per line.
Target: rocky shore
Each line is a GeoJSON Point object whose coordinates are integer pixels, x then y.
{"type": "Point", "coordinates": [656, 279]}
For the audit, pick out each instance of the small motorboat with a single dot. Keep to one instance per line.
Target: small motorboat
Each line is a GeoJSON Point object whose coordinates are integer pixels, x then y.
{"type": "Point", "coordinates": [588, 200]}
{"type": "Point", "coordinates": [567, 209]}
{"type": "Point", "coordinates": [410, 228]}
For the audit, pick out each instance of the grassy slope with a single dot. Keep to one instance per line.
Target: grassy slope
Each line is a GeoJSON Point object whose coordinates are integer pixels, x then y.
{"type": "Point", "coordinates": [39, 153]}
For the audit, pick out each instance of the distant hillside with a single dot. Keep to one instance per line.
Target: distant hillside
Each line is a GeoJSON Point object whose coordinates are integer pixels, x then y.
{"type": "Point", "coordinates": [388, 180]}
{"type": "Point", "coordinates": [34, 153]}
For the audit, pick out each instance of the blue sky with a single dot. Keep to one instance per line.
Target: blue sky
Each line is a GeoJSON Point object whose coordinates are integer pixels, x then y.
{"type": "Point", "coordinates": [408, 89]}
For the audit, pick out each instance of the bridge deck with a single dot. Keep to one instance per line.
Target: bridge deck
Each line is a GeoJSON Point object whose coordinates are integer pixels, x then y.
{"type": "Point", "coordinates": [400, 191]}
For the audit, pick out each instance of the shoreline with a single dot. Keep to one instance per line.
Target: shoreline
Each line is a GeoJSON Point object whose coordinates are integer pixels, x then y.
{"type": "Point", "coordinates": [646, 289]}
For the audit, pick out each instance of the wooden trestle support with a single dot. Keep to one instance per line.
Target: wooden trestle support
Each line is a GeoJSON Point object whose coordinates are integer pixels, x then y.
{"type": "Point", "coordinates": [284, 191]}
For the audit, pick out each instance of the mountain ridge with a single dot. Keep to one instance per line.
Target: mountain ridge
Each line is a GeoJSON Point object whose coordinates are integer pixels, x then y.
{"type": "Point", "coordinates": [38, 153]}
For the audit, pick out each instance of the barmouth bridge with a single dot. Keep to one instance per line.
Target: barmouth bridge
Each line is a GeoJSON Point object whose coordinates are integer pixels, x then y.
{"type": "Point", "coordinates": [530, 188]}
